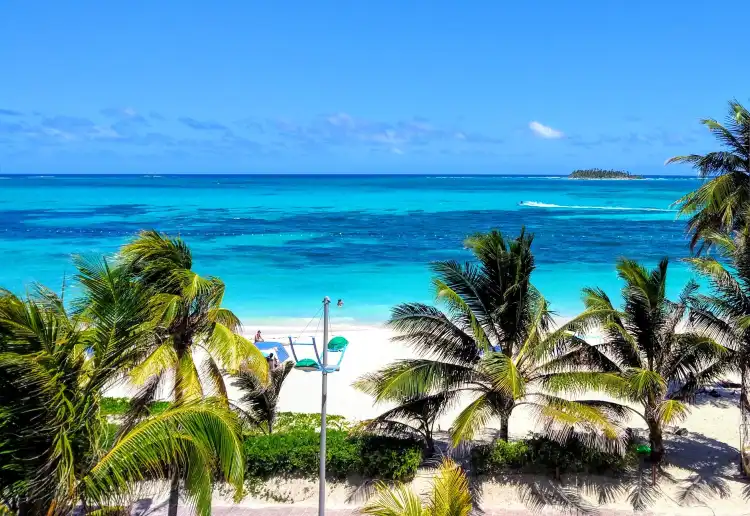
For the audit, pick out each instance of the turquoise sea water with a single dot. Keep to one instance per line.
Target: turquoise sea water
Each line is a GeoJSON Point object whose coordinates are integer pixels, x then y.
{"type": "Point", "coordinates": [283, 242]}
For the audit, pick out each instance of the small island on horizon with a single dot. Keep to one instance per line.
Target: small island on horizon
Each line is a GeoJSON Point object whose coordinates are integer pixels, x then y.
{"type": "Point", "coordinates": [598, 173]}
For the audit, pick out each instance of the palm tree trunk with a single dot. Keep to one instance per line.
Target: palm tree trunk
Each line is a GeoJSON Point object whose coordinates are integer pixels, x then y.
{"type": "Point", "coordinates": [174, 494]}
{"type": "Point", "coordinates": [174, 489]}
{"type": "Point", "coordinates": [744, 402]}
{"type": "Point", "coordinates": [745, 417]}
{"type": "Point", "coordinates": [504, 430]}
{"type": "Point", "coordinates": [656, 438]}
{"type": "Point", "coordinates": [430, 443]}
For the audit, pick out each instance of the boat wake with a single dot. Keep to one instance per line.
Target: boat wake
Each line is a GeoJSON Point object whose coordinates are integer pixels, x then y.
{"type": "Point", "coordinates": [535, 204]}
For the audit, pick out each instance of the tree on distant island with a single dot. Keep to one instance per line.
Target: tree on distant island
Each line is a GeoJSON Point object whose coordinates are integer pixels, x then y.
{"type": "Point", "coordinates": [598, 173]}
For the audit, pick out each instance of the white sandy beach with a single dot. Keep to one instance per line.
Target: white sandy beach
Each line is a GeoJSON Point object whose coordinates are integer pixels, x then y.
{"type": "Point", "coordinates": [710, 450]}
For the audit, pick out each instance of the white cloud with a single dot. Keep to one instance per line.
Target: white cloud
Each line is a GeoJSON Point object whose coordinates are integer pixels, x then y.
{"type": "Point", "coordinates": [396, 150]}
{"type": "Point", "coordinates": [545, 131]}
{"type": "Point", "coordinates": [341, 120]}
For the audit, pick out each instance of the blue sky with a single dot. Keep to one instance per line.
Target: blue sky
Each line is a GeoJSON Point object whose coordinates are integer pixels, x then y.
{"type": "Point", "coordinates": [373, 87]}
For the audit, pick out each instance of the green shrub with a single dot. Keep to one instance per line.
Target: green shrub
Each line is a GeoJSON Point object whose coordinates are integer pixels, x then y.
{"type": "Point", "coordinates": [539, 454]}
{"type": "Point", "coordinates": [115, 406]}
{"type": "Point", "coordinates": [302, 421]}
{"type": "Point", "coordinates": [295, 454]}
{"type": "Point", "coordinates": [389, 458]}
{"type": "Point", "coordinates": [121, 406]}
{"type": "Point", "coordinates": [501, 455]}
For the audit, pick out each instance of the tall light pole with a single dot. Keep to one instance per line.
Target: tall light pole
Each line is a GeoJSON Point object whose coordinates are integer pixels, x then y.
{"type": "Point", "coordinates": [324, 399]}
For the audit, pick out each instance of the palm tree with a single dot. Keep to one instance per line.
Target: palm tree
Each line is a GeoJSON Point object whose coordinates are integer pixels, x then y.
{"type": "Point", "coordinates": [723, 314]}
{"type": "Point", "coordinates": [413, 417]}
{"type": "Point", "coordinates": [649, 360]}
{"type": "Point", "coordinates": [259, 401]}
{"type": "Point", "coordinates": [188, 317]}
{"type": "Point", "coordinates": [722, 202]}
{"type": "Point", "coordinates": [449, 496]}
{"type": "Point", "coordinates": [494, 344]}
{"type": "Point", "coordinates": [58, 449]}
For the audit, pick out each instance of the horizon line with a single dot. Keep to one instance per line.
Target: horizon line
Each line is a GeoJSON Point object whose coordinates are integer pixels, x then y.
{"type": "Point", "coordinates": [307, 174]}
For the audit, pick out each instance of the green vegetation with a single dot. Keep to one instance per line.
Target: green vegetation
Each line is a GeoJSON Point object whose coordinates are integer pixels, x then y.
{"type": "Point", "coordinates": [540, 455]}
{"type": "Point", "coordinates": [721, 204]}
{"type": "Point", "coordinates": [295, 454]}
{"type": "Point", "coordinates": [257, 406]}
{"type": "Point", "coordinates": [296, 421]}
{"type": "Point", "coordinates": [598, 173]}
{"type": "Point", "coordinates": [494, 344]}
{"type": "Point", "coordinates": [718, 217]}
{"type": "Point", "coordinates": [449, 495]}
{"type": "Point", "coordinates": [58, 451]}
{"type": "Point", "coordinates": [138, 318]}
{"type": "Point", "coordinates": [293, 449]}
{"type": "Point", "coordinates": [724, 313]}
{"type": "Point", "coordinates": [121, 406]}
{"type": "Point", "coordinates": [644, 352]}
{"type": "Point", "coordinates": [186, 313]}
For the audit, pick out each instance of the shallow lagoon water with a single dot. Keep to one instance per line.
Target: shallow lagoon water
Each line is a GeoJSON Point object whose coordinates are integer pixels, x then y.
{"type": "Point", "coordinates": [283, 242]}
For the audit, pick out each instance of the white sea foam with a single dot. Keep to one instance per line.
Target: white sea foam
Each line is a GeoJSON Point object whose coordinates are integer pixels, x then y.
{"type": "Point", "coordinates": [535, 204]}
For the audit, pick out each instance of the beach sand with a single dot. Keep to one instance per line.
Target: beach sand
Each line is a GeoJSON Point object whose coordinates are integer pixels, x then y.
{"type": "Point", "coordinates": [708, 455]}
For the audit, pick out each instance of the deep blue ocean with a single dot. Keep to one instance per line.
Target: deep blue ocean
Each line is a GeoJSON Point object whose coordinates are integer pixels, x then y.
{"type": "Point", "coordinates": [281, 243]}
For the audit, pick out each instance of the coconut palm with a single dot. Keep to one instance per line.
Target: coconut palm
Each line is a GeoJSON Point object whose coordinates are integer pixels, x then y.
{"type": "Point", "coordinates": [413, 417]}
{"type": "Point", "coordinates": [722, 202]}
{"type": "Point", "coordinates": [723, 315]}
{"type": "Point", "coordinates": [495, 345]}
{"type": "Point", "coordinates": [651, 362]}
{"type": "Point", "coordinates": [259, 401]}
{"type": "Point", "coordinates": [190, 321]}
{"type": "Point", "coordinates": [449, 496]}
{"type": "Point", "coordinates": [58, 450]}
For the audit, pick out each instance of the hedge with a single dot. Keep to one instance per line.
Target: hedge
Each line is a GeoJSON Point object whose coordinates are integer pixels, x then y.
{"type": "Point", "coordinates": [121, 406]}
{"type": "Point", "coordinates": [539, 454]}
{"type": "Point", "coordinates": [293, 449]}
{"type": "Point", "coordinates": [300, 421]}
{"type": "Point", "coordinates": [295, 454]}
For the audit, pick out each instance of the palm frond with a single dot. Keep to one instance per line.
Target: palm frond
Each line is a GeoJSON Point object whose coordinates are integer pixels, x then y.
{"type": "Point", "coordinates": [671, 411]}
{"type": "Point", "coordinates": [430, 332]}
{"type": "Point", "coordinates": [506, 378]}
{"type": "Point", "coordinates": [396, 501]}
{"type": "Point", "coordinates": [450, 495]}
{"type": "Point", "coordinates": [189, 435]}
{"type": "Point", "coordinates": [477, 414]}
{"type": "Point", "coordinates": [162, 359]}
{"type": "Point", "coordinates": [410, 378]}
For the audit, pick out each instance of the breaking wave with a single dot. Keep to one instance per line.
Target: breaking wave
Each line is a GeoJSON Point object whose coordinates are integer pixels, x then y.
{"type": "Point", "coordinates": [535, 204]}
